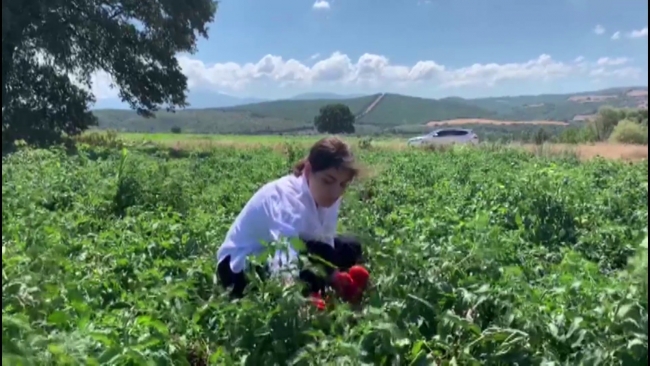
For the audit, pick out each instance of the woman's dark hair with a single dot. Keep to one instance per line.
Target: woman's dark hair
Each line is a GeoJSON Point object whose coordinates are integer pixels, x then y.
{"type": "Point", "coordinates": [328, 152]}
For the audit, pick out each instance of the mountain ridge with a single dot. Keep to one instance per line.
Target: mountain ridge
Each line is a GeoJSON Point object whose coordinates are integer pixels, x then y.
{"type": "Point", "coordinates": [393, 112]}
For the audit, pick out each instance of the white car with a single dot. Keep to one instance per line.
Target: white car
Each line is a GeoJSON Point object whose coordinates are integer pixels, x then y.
{"type": "Point", "coordinates": [445, 136]}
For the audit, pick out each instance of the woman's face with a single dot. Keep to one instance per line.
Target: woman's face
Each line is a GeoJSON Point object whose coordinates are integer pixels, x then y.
{"type": "Point", "coordinates": [327, 186]}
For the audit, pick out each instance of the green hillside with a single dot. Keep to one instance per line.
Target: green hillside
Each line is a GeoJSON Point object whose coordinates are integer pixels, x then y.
{"type": "Point", "coordinates": [301, 110]}
{"type": "Point", "coordinates": [393, 113]}
{"type": "Point", "coordinates": [555, 107]}
{"type": "Point", "coordinates": [210, 121]}
{"type": "Point", "coordinates": [395, 109]}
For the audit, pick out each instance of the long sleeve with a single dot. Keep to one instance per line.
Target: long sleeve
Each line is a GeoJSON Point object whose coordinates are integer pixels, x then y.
{"type": "Point", "coordinates": [272, 213]}
{"type": "Point", "coordinates": [286, 222]}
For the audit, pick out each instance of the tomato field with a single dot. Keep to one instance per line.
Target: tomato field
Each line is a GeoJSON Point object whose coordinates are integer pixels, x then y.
{"type": "Point", "coordinates": [476, 256]}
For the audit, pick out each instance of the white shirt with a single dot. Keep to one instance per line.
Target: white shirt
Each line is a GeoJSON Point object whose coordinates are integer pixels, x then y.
{"type": "Point", "coordinates": [283, 208]}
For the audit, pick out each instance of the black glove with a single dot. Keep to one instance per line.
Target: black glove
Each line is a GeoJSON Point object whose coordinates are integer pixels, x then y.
{"type": "Point", "coordinates": [345, 253]}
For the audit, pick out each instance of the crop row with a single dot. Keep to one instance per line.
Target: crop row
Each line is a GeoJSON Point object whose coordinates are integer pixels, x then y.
{"type": "Point", "coordinates": [477, 258]}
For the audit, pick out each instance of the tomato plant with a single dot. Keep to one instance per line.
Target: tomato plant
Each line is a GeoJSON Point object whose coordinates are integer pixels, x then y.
{"type": "Point", "coordinates": [477, 258]}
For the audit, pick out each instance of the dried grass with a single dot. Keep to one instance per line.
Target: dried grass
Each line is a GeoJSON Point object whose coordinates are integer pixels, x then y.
{"type": "Point", "coordinates": [590, 151]}
{"type": "Point", "coordinates": [479, 121]}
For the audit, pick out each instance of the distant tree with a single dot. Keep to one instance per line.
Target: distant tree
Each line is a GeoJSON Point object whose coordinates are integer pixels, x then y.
{"type": "Point", "coordinates": [639, 116]}
{"type": "Point", "coordinates": [50, 50]}
{"type": "Point", "coordinates": [541, 136]}
{"type": "Point", "coordinates": [176, 129]}
{"type": "Point", "coordinates": [335, 118]}
{"type": "Point", "coordinates": [606, 120]}
{"type": "Point", "coordinates": [629, 132]}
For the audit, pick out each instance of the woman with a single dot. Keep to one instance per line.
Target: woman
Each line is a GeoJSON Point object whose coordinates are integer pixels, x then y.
{"type": "Point", "coordinates": [303, 205]}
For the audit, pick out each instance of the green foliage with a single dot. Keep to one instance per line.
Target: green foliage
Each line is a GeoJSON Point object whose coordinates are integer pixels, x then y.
{"type": "Point", "coordinates": [632, 130]}
{"type": "Point", "coordinates": [541, 136]}
{"type": "Point", "coordinates": [606, 121]}
{"type": "Point", "coordinates": [638, 269]}
{"type": "Point", "coordinates": [44, 43]}
{"type": "Point", "coordinates": [629, 132]}
{"type": "Point", "coordinates": [639, 116]}
{"type": "Point", "coordinates": [108, 138]}
{"type": "Point", "coordinates": [478, 257]}
{"type": "Point", "coordinates": [578, 135]}
{"type": "Point", "coordinates": [334, 118]}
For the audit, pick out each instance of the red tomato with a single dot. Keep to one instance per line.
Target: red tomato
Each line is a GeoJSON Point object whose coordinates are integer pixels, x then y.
{"type": "Point", "coordinates": [344, 285]}
{"type": "Point", "coordinates": [360, 276]}
{"type": "Point", "coordinates": [318, 301]}
{"type": "Point", "coordinates": [342, 280]}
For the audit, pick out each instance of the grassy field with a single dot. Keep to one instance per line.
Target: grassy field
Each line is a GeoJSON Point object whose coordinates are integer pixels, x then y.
{"type": "Point", "coordinates": [209, 142]}
{"type": "Point", "coordinates": [171, 138]}
{"type": "Point", "coordinates": [488, 256]}
{"type": "Point", "coordinates": [200, 141]}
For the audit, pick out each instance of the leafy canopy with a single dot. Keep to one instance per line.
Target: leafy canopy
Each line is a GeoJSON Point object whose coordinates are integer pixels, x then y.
{"type": "Point", "coordinates": [50, 49]}
{"type": "Point", "coordinates": [335, 118]}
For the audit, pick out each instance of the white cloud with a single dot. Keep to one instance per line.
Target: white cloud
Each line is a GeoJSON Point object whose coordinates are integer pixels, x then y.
{"type": "Point", "coordinates": [612, 61]}
{"type": "Point", "coordinates": [616, 35]}
{"type": "Point", "coordinates": [321, 5]}
{"type": "Point", "coordinates": [315, 56]}
{"type": "Point", "coordinates": [641, 33]}
{"type": "Point", "coordinates": [599, 29]}
{"type": "Point", "coordinates": [541, 68]}
{"type": "Point", "coordinates": [619, 73]}
{"type": "Point", "coordinates": [377, 71]}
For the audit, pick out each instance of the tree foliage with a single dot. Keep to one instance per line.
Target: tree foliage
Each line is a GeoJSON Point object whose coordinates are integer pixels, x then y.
{"type": "Point", "coordinates": [606, 120]}
{"type": "Point", "coordinates": [620, 125]}
{"type": "Point", "coordinates": [630, 132]}
{"type": "Point", "coordinates": [578, 135]}
{"type": "Point", "coordinates": [51, 49]}
{"type": "Point", "coordinates": [541, 136]}
{"type": "Point", "coordinates": [335, 118]}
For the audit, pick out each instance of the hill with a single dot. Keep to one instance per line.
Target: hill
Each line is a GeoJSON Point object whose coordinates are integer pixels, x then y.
{"type": "Point", "coordinates": [561, 107]}
{"type": "Point", "coordinates": [315, 96]}
{"type": "Point", "coordinates": [206, 121]}
{"type": "Point", "coordinates": [378, 113]}
{"type": "Point", "coordinates": [397, 109]}
{"type": "Point", "coordinates": [302, 111]}
{"type": "Point", "coordinates": [196, 99]}
{"type": "Point", "coordinates": [202, 99]}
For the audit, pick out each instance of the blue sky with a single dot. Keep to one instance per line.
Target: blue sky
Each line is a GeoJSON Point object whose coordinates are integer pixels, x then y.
{"type": "Point", "coordinates": [434, 48]}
